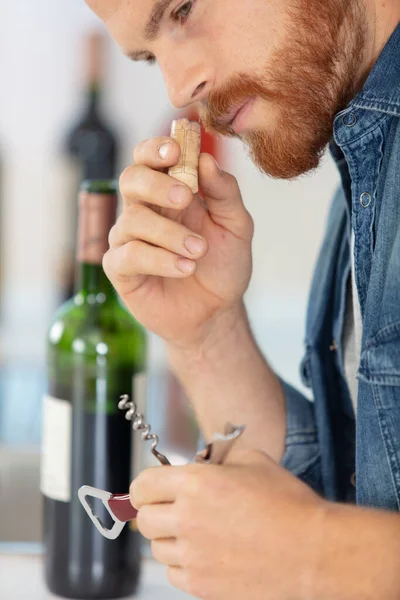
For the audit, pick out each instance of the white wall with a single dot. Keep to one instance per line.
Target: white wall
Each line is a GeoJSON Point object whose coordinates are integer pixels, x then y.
{"type": "Point", "coordinates": [39, 69]}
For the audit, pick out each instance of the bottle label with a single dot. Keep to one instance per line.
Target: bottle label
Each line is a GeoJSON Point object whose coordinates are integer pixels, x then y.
{"type": "Point", "coordinates": [96, 217]}
{"type": "Point", "coordinates": [55, 480]}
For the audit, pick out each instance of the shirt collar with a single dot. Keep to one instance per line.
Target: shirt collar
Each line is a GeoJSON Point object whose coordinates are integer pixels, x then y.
{"type": "Point", "coordinates": [381, 91]}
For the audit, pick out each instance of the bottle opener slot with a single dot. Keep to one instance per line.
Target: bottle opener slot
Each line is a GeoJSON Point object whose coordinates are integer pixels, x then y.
{"type": "Point", "coordinates": [118, 505]}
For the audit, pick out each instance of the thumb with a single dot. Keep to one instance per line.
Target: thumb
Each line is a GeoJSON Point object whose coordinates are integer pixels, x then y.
{"type": "Point", "coordinates": [222, 196]}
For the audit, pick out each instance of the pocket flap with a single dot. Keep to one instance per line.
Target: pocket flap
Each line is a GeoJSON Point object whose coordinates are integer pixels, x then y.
{"type": "Point", "coordinates": [380, 361]}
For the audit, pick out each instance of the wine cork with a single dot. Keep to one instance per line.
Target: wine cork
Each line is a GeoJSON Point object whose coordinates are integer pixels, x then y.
{"type": "Point", "coordinates": [188, 135]}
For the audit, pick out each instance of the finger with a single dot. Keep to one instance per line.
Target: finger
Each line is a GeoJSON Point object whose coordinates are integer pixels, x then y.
{"type": "Point", "coordinates": [142, 223]}
{"type": "Point", "coordinates": [140, 183]}
{"type": "Point", "coordinates": [157, 485]}
{"type": "Point", "coordinates": [157, 153]}
{"type": "Point", "coordinates": [138, 259]}
{"type": "Point", "coordinates": [178, 578]}
{"type": "Point", "coordinates": [222, 196]}
{"type": "Point", "coordinates": [157, 521]}
{"type": "Point", "coordinates": [166, 552]}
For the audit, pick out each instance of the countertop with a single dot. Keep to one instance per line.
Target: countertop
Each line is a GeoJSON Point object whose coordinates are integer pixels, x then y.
{"type": "Point", "coordinates": [21, 579]}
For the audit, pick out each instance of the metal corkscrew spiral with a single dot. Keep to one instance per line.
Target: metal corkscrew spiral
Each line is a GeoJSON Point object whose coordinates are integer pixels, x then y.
{"type": "Point", "coordinates": [139, 425]}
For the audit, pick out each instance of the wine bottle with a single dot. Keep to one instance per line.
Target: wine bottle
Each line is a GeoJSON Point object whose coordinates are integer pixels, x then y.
{"type": "Point", "coordinates": [95, 351]}
{"type": "Point", "coordinates": [91, 147]}
{"type": "Point", "coordinates": [91, 141]}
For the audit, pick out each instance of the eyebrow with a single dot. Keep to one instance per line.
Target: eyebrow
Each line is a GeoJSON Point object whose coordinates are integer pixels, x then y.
{"type": "Point", "coordinates": [152, 29]}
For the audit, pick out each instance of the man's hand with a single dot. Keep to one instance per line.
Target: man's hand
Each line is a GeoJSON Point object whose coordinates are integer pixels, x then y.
{"type": "Point", "coordinates": [179, 261]}
{"type": "Point", "coordinates": [200, 313]}
{"type": "Point", "coordinates": [248, 529]}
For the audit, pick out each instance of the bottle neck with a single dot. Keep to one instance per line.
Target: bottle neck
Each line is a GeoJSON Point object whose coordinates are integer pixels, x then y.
{"type": "Point", "coordinates": [94, 71]}
{"type": "Point", "coordinates": [92, 281]}
{"type": "Point", "coordinates": [93, 99]}
{"type": "Point", "coordinates": [97, 213]}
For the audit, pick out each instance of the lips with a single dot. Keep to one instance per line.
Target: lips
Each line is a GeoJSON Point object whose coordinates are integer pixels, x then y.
{"type": "Point", "coordinates": [229, 118]}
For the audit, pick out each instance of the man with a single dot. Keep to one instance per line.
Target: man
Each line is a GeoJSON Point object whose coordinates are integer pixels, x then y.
{"type": "Point", "coordinates": [288, 77]}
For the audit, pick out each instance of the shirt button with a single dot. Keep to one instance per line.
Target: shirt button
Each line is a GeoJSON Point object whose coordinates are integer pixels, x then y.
{"type": "Point", "coordinates": [353, 480]}
{"type": "Point", "coordinates": [365, 199]}
{"type": "Point", "coordinates": [349, 120]}
{"type": "Point", "coordinates": [333, 346]}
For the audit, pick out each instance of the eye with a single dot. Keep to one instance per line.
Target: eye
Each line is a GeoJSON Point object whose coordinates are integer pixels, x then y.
{"type": "Point", "coordinates": [183, 13]}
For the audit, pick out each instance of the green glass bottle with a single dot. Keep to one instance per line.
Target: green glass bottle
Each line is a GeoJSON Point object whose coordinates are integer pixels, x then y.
{"type": "Point", "coordinates": [95, 351]}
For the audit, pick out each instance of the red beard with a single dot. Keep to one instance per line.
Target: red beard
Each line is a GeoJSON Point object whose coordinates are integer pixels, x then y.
{"type": "Point", "coordinates": [313, 78]}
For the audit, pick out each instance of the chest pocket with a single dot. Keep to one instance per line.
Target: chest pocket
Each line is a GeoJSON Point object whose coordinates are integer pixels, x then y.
{"type": "Point", "coordinates": [380, 361]}
{"type": "Point", "coordinates": [380, 369]}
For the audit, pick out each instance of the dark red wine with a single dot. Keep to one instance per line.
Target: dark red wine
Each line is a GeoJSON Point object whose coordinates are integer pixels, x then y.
{"type": "Point", "coordinates": [81, 563]}
{"type": "Point", "coordinates": [95, 351]}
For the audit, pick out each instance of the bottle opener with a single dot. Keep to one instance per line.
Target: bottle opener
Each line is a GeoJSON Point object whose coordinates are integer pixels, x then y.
{"type": "Point", "coordinates": [118, 505]}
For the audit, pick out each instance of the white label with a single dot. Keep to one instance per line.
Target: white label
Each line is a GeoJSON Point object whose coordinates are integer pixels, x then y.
{"type": "Point", "coordinates": [55, 481]}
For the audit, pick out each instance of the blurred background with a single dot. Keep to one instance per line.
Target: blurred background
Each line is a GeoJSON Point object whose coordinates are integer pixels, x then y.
{"type": "Point", "coordinates": [45, 95]}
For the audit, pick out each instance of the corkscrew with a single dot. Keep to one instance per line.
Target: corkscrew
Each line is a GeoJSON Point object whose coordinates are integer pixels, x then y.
{"type": "Point", "coordinates": [140, 426]}
{"type": "Point", "coordinates": [118, 505]}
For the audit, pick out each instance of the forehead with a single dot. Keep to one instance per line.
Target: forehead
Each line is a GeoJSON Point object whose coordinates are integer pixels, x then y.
{"type": "Point", "coordinates": [105, 9]}
{"type": "Point", "coordinates": [124, 18]}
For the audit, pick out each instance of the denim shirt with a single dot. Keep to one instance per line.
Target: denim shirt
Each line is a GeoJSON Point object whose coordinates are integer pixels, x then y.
{"type": "Point", "coordinates": [342, 458]}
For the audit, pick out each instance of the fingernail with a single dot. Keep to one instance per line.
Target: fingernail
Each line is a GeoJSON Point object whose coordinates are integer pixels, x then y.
{"type": "Point", "coordinates": [185, 265]}
{"type": "Point", "coordinates": [217, 165]}
{"type": "Point", "coordinates": [177, 194]}
{"type": "Point", "coordinates": [194, 244]}
{"type": "Point", "coordinates": [163, 151]}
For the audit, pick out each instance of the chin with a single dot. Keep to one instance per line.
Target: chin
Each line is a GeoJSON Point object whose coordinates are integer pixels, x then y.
{"type": "Point", "coordinates": [281, 157]}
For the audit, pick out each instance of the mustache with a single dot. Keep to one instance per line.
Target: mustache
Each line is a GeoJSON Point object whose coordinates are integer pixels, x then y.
{"type": "Point", "coordinates": [222, 104]}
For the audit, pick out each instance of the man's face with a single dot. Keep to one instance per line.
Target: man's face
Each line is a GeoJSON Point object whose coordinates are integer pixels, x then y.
{"type": "Point", "coordinates": [287, 66]}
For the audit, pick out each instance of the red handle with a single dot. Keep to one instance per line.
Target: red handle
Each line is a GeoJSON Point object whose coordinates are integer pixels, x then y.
{"type": "Point", "coordinates": [121, 507]}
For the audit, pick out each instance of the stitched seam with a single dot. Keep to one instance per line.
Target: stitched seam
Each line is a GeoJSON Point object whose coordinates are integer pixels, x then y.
{"type": "Point", "coordinates": [389, 113]}
{"type": "Point", "coordinates": [301, 439]}
{"type": "Point", "coordinates": [307, 466]}
{"type": "Point", "coordinates": [375, 125]}
{"type": "Point", "coordinates": [371, 98]}
{"type": "Point", "coordinates": [382, 334]}
{"type": "Point", "coordinates": [387, 443]}
{"type": "Point", "coordinates": [382, 380]}
{"type": "Point", "coordinates": [380, 109]}
{"type": "Point", "coordinates": [294, 430]}
{"type": "Point", "coordinates": [383, 371]}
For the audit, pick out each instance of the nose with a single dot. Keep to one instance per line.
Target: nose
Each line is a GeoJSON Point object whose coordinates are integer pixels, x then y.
{"type": "Point", "coordinates": [187, 85]}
